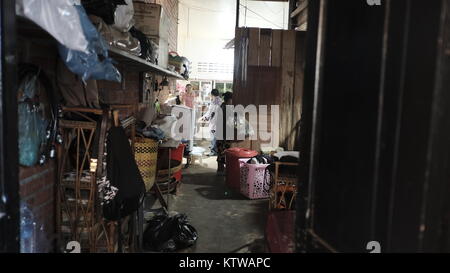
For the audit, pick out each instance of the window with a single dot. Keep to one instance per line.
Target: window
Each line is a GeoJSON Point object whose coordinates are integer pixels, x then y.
{"type": "Point", "coordinates": [221, 87]}
{"type": "Point", "coordinates": [229, 87]}
{"type": "Point", "coordinates": [195, 85]}
{"type": "Point", "coordinates": [215, 68]}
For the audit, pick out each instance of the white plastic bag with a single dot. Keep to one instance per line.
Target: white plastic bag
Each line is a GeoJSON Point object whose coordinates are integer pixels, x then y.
{"type": "Point", "coordinates": [123, 19]}
{"type": "Point", "coordinates": [58, 17]}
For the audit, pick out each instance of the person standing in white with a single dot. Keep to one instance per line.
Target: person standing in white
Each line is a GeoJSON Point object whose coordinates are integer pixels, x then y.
{"type": "Point", "coordinates": [211, 116]}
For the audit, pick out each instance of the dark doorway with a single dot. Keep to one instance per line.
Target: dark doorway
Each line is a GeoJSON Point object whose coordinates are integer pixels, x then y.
{"type": "Point", "coordinates": [375, 127]}
{"type": "Point", "coordinates": [9, 185]}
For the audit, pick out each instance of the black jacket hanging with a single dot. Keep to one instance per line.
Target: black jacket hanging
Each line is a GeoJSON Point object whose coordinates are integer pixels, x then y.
{"type": "Point", "coordinates": [123, 173]}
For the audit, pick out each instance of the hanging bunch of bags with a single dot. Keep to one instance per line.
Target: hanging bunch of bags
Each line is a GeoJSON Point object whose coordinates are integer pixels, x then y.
{"type": "Point", "coordinates": [37, 111]}
{"type": "Point", "coordinates": [79, 43]}
{"type": "Point", "coordinates": [89, 65]}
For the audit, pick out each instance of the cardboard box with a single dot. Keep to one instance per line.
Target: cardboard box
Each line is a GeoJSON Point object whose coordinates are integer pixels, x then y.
{"type": "Point", "coordinates": [148, 17]}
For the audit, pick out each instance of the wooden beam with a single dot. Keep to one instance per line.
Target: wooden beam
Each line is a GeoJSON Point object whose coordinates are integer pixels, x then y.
{"type": "Point", "coordinates": [302, 18]}
{"type": "Point", "coordinates": [287, 84]}
{"type": "Point", "coordinates": [276, 48]}
{"type": "Point", "coordinates": [301, 8]}
{"type": "Point", "coordinates": [253, 47]}
{"type": "Point", "coordinates": [297, 106]}
{"type": "Point", "coordinates": [265, 44]}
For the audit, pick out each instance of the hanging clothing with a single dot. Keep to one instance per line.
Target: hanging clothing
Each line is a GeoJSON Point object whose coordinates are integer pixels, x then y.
{"type": "Point", "coordinates": [123, 174]}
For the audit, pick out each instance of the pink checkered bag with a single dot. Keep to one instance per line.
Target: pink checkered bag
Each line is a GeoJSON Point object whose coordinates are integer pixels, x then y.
{"type": "Point", "coordinates": [255, 180]}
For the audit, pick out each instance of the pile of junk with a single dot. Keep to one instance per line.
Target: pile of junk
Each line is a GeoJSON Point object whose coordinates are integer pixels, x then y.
{"type": "Point", "coordinates": [85, 33]}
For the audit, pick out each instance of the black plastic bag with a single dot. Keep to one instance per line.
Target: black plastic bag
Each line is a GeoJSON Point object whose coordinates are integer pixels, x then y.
{"type": "Point", "coordinates": [104, 9]}
{"type": "Point", "coordinates": [149, 50]}
{"type": "Point", "coordinates": [185, 235]}
{"type": "Point", "coordinates": [168, 234]}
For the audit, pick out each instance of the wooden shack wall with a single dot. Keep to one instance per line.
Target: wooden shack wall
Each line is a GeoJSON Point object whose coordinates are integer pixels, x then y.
{"type": "Point", "coordinates": [269, 69]}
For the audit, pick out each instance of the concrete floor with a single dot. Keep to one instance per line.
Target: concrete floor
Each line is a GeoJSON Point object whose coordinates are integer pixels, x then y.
{"type": "Point", "coordinates": [226, 221]}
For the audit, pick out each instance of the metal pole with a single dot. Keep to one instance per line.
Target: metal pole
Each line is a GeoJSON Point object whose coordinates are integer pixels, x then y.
{"type": "Point", "coordinates": [238, 4]}
{"type": "Point", "coordinates": [170, 178]}
{"type": "Point", "coordinates": [292, 7]}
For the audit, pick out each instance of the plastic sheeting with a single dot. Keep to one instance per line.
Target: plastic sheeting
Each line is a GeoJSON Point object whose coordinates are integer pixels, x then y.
{"type": "Point", "coordinates": [122, 40]}
{"type": "Point", "coordinates": [123, 19]}
{"type": "Point", "coordinates": [32, 126]}
{"type": "Point", "coordinates": [59, 18]}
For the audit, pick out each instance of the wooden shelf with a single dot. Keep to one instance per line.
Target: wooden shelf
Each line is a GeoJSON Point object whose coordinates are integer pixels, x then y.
{"type": "Point", "coordinates": [134, 62]}
{"type": "Point", "coordinates": [28, 29]}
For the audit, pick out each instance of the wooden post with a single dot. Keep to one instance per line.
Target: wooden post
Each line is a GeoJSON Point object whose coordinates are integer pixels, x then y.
{"type": "Point", "coordinates": [116, 118]}
{"type": "Point", "coordinates": [238, 3]}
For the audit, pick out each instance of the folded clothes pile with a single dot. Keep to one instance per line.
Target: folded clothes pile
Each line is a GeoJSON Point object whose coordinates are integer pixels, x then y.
{"type": "Point", "coordinates": [154, 133]}
{"type": "Point", "coordinates": [288, 156]}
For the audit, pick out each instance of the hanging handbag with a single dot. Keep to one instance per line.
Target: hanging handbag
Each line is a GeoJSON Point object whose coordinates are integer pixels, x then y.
{"type": "Point", "coordinates": [36, 114]}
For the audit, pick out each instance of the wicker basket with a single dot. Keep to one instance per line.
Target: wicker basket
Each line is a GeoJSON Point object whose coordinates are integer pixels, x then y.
{"type": "Point", "coordinates": [146, 155]}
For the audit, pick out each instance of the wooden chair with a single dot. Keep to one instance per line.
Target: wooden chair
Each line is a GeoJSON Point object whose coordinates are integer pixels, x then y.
{"type": "Point", "coordinates": [79, 214]}
{"type": "Point", "coordinates": [284, 188]}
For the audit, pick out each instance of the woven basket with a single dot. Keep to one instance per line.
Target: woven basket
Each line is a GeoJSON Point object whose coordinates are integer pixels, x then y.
{"type": "Point", "coordinates": [146, 155]}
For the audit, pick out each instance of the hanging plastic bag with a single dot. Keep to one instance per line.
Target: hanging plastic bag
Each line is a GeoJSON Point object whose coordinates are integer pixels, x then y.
{"type": "Point", "coordinates": [123, 19]}
{"type": "Point", "coordinates": [32, 126]}
{"type": "Point", "coordinates": [88, 65]}
{"type": "Point", "coordinates": [27, 230]}
{"type": "Point", "coordinates": [31, 137]}
{"type": "Point", "coordinates": [58, 17]}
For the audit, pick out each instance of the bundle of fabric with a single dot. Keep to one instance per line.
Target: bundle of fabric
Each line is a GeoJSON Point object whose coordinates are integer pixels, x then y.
{"type": "Point", "coordinates": [74, 91]}
{"type": "Point", "coordinates": [288, 156]}
{"type": "Point", "coordinates": [261, 159]}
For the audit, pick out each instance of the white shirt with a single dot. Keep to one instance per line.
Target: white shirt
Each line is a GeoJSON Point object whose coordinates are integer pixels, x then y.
{"type": "Point", "coordinates": [213, 112]}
